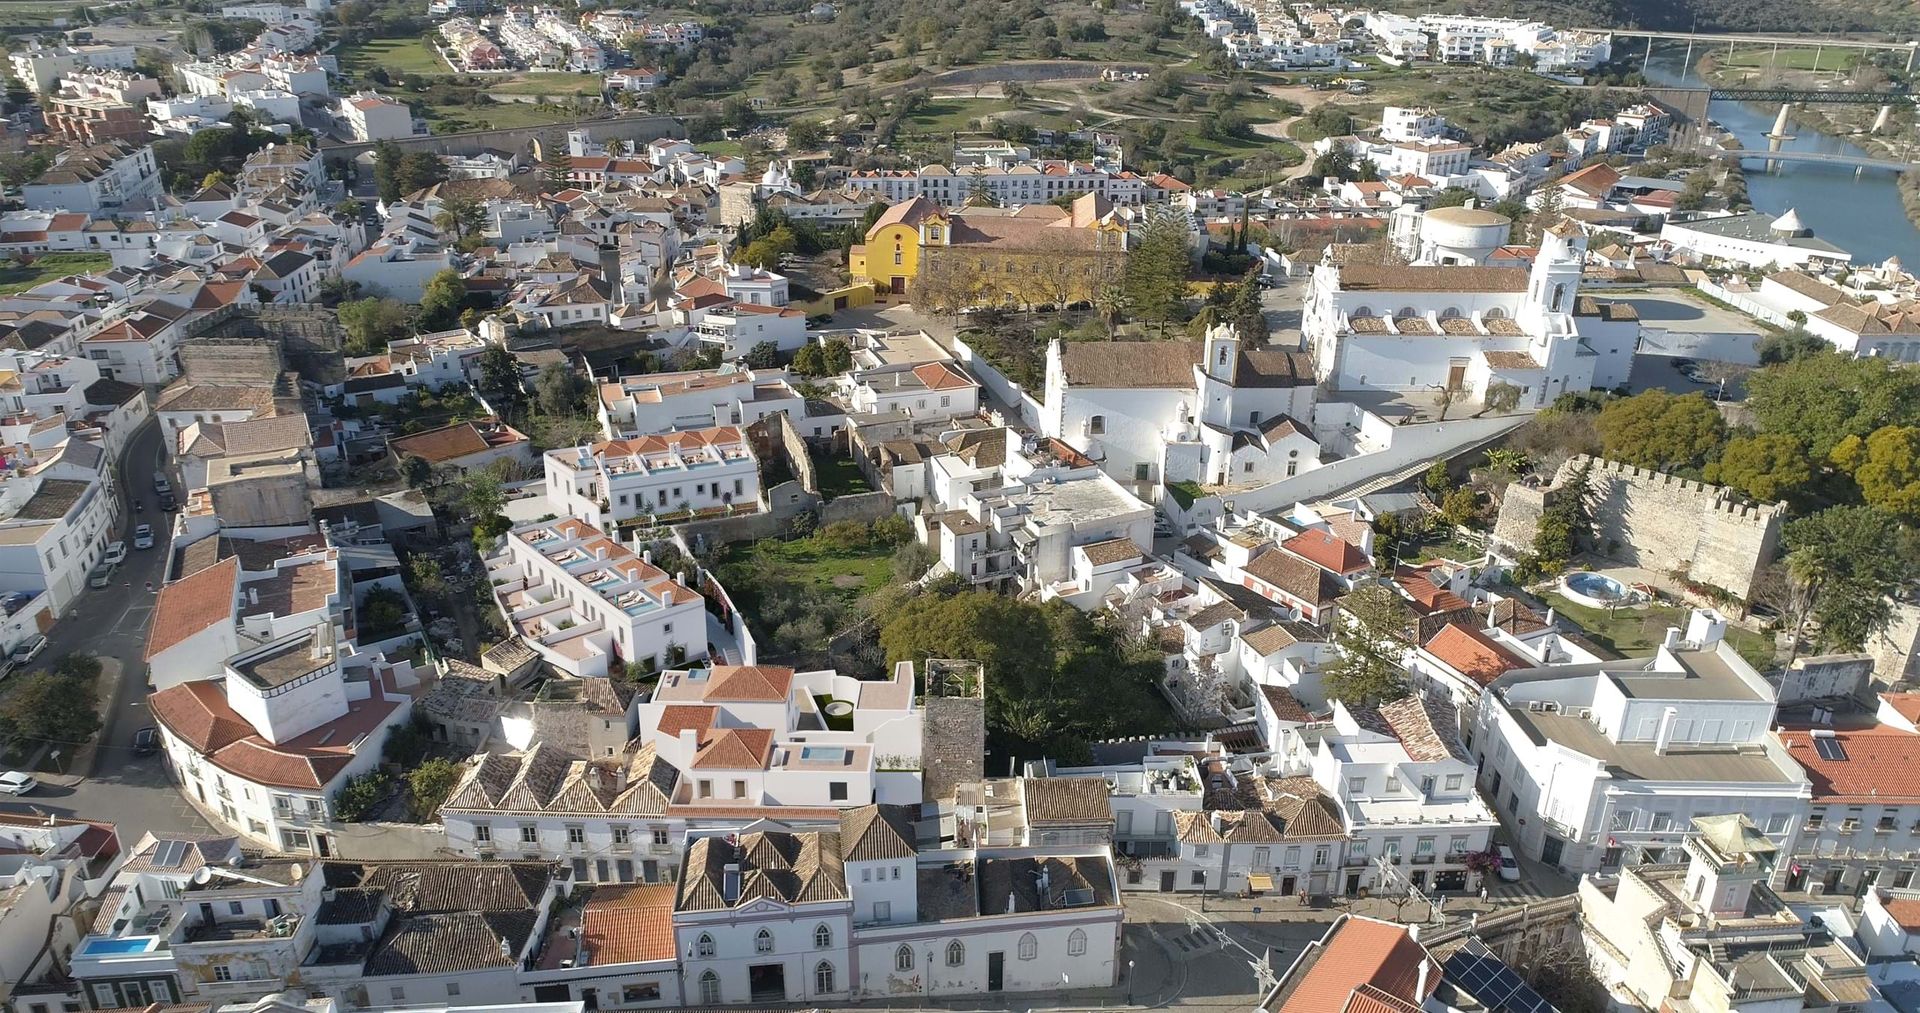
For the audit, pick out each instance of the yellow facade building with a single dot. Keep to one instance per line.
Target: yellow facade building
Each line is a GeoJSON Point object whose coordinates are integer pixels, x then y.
{"type": "Point", "coordinates": [1034, 255]}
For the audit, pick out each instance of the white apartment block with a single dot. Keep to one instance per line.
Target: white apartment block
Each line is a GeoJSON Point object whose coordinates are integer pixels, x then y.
{"type": "Point", "coordinates": [268, 741]}
{"type": "Point", "coordinates": [57, 515]}
{"type": "Point", "coordinates": [930, 390]}
{"type": "Point", "coordinates": [1405, 786]}
{"type": "Point", "coordinates": [1411, 123]}
{"type": "Point", "coordinates": [99, 180]}
{"type": "Point", "coordinates": [42, 67]}
{"type": "Point", "coordinates": [1862, 828]}
{"type": "Point", "coordinates": [728, 396]}
{"type": "Point", "coordinates": [1031, 182]}
{"type": "Point", "coordinates": [369, 116]}
{"type": "Point", "coordinates": [616, 481]}
{"type": "Point", "coordinates": [584, 603]}
{"type": "Point", "coordinates": [1609, 762]}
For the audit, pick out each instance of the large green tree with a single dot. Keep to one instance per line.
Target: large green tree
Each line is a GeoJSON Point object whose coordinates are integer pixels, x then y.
{"type": "Point", "coordinates": [53, 708]}
{"type": "Point", "coordinates": [1055, 677]}
{"type": "Point", "coordinates": [371, 323]}
{"type": "Point", "coordinates": [500, 384]}
{"type": "Point", "coordinates": [1565, 525]}
{"type": "Point", "coordinates": [1768, 467]}
{"type": "Point", "coordinates": [1825, 398]}
{"type": "Point", "coordinates": [1849, 560]}
{"type": "Point", "coordinates": [1371, 634]}
{"type": "Point", "coordinates": [1886, 466]}
{"type": "Point", "coordinates": [1154, 284]}
{"type": "Point", "coordinates": [1661, 431]}
{"type": "Point", "coordinates": [440, 300]}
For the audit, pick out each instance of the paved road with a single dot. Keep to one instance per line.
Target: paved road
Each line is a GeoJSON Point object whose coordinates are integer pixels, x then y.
{"type": "Point", "coordinates": [131, 791]}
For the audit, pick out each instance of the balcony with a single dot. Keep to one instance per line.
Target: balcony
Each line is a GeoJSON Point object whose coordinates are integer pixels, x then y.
{"type": "Point", "coordinates": [240, 930]}
{"type": "Point", "coordinates": [1423, 859]}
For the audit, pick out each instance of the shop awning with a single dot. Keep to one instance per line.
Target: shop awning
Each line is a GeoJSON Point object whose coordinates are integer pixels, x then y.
{"type": "Point", "coordinates": [1259, 882]}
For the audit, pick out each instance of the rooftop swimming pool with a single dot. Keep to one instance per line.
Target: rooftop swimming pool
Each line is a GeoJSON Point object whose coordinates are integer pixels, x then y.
{"type": "Point", "coordinates": [119, 947]}
{"type": "Point", "coordinates": [1594, 590]}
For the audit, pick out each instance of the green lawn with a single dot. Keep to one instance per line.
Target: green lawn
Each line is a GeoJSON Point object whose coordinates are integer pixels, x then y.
{"type": "Point", "coordinates": [395, 56]}
{"type": "Point", "coordinates": [839, 476]}
{"type": "Point", "coordinates": [545, 83]}
{"type": "Point", "coordinates": [1789, 58]}
{"type": "Point", "coordinates": [1632, 632]}
{"type": "Point", "coordinates": [18, 277]}
{"type": "Point", "coordinates": [498, 116]}
{"type": "Point", "coordinates": [838, 572]}
{"type": "Point", "coordinates": [946, 115]}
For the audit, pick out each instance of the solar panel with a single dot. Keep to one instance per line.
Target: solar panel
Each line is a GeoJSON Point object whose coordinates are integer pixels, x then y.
{"type": "Point", "coordinates": [1474, 969]}
{"type": "Point", "coordinates": [168, 853]}
{"type": "Point", "coordinates": [1829, 748]}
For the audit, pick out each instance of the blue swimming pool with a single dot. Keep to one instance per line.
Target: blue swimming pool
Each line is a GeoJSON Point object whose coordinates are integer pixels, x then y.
{"type": "Point", "coordinates": [1595, 590]}
{"type": "Point", "coordinates": [118, 947]}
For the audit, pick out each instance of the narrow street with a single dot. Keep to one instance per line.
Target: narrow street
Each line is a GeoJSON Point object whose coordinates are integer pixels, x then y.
{"type": "Point", "coordinates": [111, 622]}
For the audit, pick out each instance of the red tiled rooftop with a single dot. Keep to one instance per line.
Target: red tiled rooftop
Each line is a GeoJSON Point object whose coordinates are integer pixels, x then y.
{"type": "Point", "coordinates": [1323, 549]}
{"type": "Point", "coordinates": [1879, 764]}
{"type": "Point", "coordinates": [1361, 952]}
{"type": "Point", "coordinates": [186, 607]}
{"type": "Point", "coordinates": [628, 924]}
{"type": "Point", "coordinates": [1473, 653]}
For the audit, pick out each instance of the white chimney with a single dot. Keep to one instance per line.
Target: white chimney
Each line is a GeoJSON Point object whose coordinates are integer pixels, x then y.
{"type": "Point", "coordinates": [1664, 737]}
{"type": "Point", "coordinates": [1673, 638]}
{"type": "Point", "coordinates": [600, 552]}
{"type": "Point", "coordinates": [730, 882]}
{"type": "Point", "coordinates": [689, 743]}
{"type": "Point", "coordinates": [1420, 984]}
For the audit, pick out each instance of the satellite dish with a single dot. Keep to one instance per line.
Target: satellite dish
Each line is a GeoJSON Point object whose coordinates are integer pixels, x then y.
{"type": "Point", "coordinates": [203, 875]}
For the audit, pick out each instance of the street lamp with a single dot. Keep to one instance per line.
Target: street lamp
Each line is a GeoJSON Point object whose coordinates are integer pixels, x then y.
{"type": "Point", "coordinates": [1129, 982]}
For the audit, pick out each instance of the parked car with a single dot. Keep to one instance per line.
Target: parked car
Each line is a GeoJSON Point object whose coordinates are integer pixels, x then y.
{"type": "Point", "coordinates": [143, 536]}
{"type": "Point", "coordinates": [146, 741]}
{"type": "Point", "coordinates": [15, 601]}
{"type": "Point", "coordinates": [168, 503]}
{"type": "Point", "coordinates": [161, 485]}
{"type": "Point", "coordinates": [14, 782]}
{"type": "Point", "coordinates": [116, 553]}
{"type": "Point", "coordinates": [1509, 866]}
{"type": "Point", "coordinates": [28, 649]}
{"type": "Point", "coordinates": [101, 576]}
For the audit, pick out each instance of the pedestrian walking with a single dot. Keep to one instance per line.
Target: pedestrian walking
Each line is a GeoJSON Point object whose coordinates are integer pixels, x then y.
{"type": "Point", "coordinates": [1483, 893]}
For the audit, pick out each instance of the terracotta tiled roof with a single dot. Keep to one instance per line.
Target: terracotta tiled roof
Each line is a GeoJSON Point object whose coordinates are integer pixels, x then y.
{"type": "Point", "coordinates": [1474, 654]}
{"type": "Point", "coordinates": [1297, 577]}
{"type": "Point", "coordinates": [193, 604]}
{"type": "Point", "coordinates": [1358, 952]}
{"type": "Point", "coordinates": [1905, 913]}
{"type": "Point", "coordinates": [877, 832]}
{"type": "Point", "coordinates": [942, 376]}
{"type": "Point", "coordinates": [749, 683]}
{"type": "Point", "coordinates": [1877, 764]}
{"type": "Point", "coordinates": [1131, 364]}
{"type": "Point", "coordinates": [1067, 800]}
{"type": "Point", "coordinates": [1322, 548]}
{"type": "Point", "coordinates": [1285, 705]}
{"type": "Point", "coordinates": [735, 749]}
{"type": "Point", "coordinates": [789, 868]}
{"type": "Point", "coordinates": [676, 718]}
{"type": "Point", "coordinates": [1428, 729]}
{"type": "Point", "coordinates": [1371, 278]}
{"type": "Point", "coordinates": [628, 924]}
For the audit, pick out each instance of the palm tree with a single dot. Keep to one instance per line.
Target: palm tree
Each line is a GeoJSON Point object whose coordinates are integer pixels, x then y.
{"type": "Point", "coordinates": [616, 147]}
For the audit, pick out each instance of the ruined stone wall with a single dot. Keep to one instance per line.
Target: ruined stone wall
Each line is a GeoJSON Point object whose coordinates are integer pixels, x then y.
{"type": "Point", "coordinates": [953, 744]}
{"type": "Point", "coordinates": [1657, 521]}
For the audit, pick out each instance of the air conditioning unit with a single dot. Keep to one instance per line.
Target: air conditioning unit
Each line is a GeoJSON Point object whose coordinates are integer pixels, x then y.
{"type": "Point", "coordinates": [1534, 706]}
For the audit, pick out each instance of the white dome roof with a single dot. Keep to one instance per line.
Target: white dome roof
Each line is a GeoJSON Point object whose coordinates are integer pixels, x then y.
{"type": "Point", "coordinates": [1468, 217]}
{"type": "Point", "coordinates": [1789, 222]}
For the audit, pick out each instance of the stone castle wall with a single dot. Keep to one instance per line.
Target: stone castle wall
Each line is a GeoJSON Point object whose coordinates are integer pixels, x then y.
{"type": "Point", "coordinates": [1658, 522]}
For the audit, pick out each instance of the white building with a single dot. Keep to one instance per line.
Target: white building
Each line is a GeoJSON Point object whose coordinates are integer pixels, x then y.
{"type": "Point", "coordinates": [267, 743]}
{"type": "Point", "coordinates": [100, 180]}
{"type": "Point", "coordinates": [1153, 412]}
{"type": "Point", "coordinates": [1411, 123]}
{"type": "Point", "coordinates": [1754, 239]}
{"type": "Point", "coordinates": [1609, 762]}
{"type": "Point", "coordinates": [731, 395]}
{"type": "Point", "coordinates": [930, 390]}
{"type": "Point", "coordinates": [585, 603]}
{"type": "Point", "coordinates": [369, 116]}
{"type": "Point", "coordinates": [1405, 786]}
{"type": "Point", "coordinates": [1863, 820]}
{"type": "Point", "coordinates": [1465, 328]}
{"type": "Point", "coordinates": [700, 470]}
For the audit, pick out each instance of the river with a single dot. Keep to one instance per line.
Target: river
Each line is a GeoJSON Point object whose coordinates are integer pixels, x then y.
{"type": "Point", "coordinates": [1861, 215]}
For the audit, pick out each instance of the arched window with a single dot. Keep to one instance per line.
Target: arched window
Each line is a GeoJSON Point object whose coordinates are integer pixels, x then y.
{"type": "Point", "coordinates": [1076, 943]}
{"type": "Point", "coordinates": [1362, 310]}
{"type": "Point", "coordinates": [956, 954]}
{"type": "Point", "coordinates": [709, 989]}
{"type": "Point", "coordinates": [763, 942]}
{"type": "Point", "coordinates": [903, 958]}
{"type": "Point", "coordinates": [703, 946]}
{"type": "Point", "coordinates": [1495, 313]}
{"type": "Point", "coordinates": [1029, 946]}
{"type": "Point", "coordinates": [1097, 424]}
{"type": "Point", "coordinates": [1407, 311]}
{"type": "Point", "coordinates": [822, 978]}
{"type": "Point", "coordinates": [822, 936]}
{"type": "Point", "coordinates": [1450, 313]}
